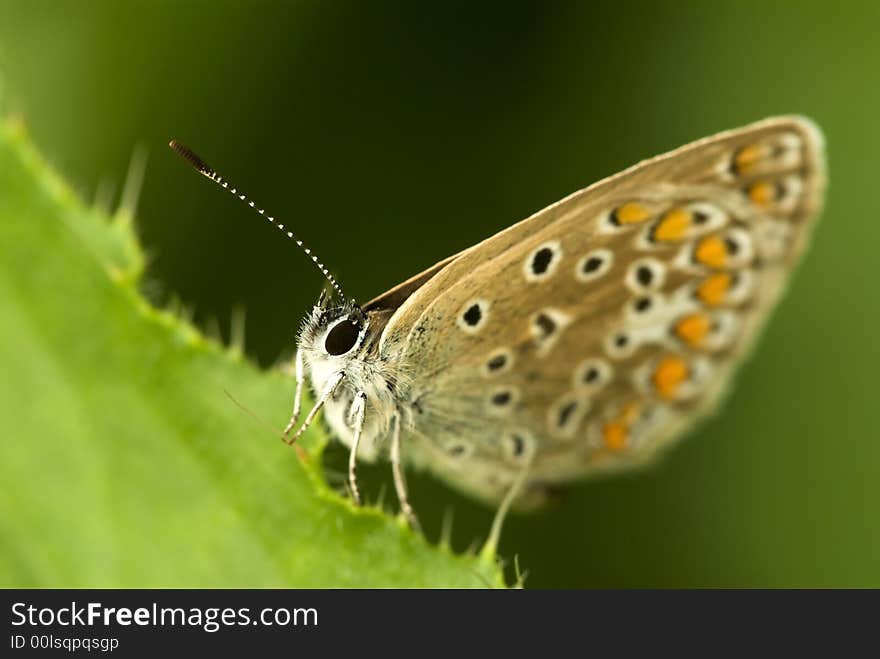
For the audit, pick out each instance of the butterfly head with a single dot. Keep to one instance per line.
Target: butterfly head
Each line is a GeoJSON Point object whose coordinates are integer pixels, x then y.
{"type": "Point", "coordinates": [333, 333]}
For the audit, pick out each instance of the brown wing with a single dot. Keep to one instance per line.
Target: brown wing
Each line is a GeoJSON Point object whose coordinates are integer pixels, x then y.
{"type": "Point", "coordinates": [392, 299]}
{"type": "Point", "coordinates": [592, 333]}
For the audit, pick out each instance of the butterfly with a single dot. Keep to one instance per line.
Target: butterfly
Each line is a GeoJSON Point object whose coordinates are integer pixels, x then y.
{"type": "Point", "coordinates": [581, 340]}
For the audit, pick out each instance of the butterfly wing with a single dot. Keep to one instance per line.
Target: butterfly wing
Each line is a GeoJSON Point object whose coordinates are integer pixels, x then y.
{"type": "Point", "coordinates": [589, 335]}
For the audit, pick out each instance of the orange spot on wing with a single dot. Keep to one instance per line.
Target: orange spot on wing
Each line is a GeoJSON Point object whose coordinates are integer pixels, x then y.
{"type": "Point", "coordinates": [672, 225]}
{"type": "Point", "coordinates": [762, 193]}
{"type": "Point", "coordinates": [631, 213]}
{"type": "Point", "coordinates": [671, 371]}
{"type": "Point", "coordinates": [713, 288]}
{"type": "Point", "coordinates": [712, 252]}
{"type": "Point", "coordinates": [615, 433]}
{"type": "Point", "coordinates": [747, 157]}
{"type": "Point", "coordinates": [692, 329]}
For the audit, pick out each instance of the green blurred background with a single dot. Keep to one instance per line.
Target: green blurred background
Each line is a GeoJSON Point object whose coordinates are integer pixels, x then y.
{"type": "Point", "coordinates": [393, 134]}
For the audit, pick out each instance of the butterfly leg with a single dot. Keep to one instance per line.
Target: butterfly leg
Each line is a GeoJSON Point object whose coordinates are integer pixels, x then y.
{"type": "Point", "coordinates": [491, 545]}
{"type": "Point", "coordinates": [329, 388]}
{"type": "Point", "coordinates": [399, 482]}
{"type": "Point", "coordinates": [297, 396]}
{"type": "Point", "coordinates": [357, 412]}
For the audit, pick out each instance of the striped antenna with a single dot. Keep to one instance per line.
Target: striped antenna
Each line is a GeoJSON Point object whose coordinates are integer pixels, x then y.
{"type": "Point", "coordinates": [203, 168]}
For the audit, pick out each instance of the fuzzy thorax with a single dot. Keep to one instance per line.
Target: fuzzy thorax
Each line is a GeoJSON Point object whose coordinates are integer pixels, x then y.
{"type": "Point", "coordinates": [364, 371]}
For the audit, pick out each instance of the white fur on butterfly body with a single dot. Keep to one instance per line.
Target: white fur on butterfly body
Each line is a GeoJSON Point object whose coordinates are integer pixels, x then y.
{"type": "Point", "coordinates": [365, 371]}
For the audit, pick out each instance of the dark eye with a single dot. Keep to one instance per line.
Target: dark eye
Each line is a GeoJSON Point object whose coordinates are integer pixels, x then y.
{"type": "Point", "coordinates": [341, 338]}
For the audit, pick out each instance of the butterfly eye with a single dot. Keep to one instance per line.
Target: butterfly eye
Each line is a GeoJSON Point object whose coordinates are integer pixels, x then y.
{"type": "Point", "coordinates": [341, 338]}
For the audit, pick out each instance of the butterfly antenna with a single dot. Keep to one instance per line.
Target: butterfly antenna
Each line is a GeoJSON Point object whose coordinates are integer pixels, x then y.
{"type": "Point", "coordinates": [206, 170]}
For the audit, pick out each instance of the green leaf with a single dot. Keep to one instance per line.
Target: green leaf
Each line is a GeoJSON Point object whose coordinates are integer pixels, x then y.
{"type": "Point", "coordinates": [124, 462]}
